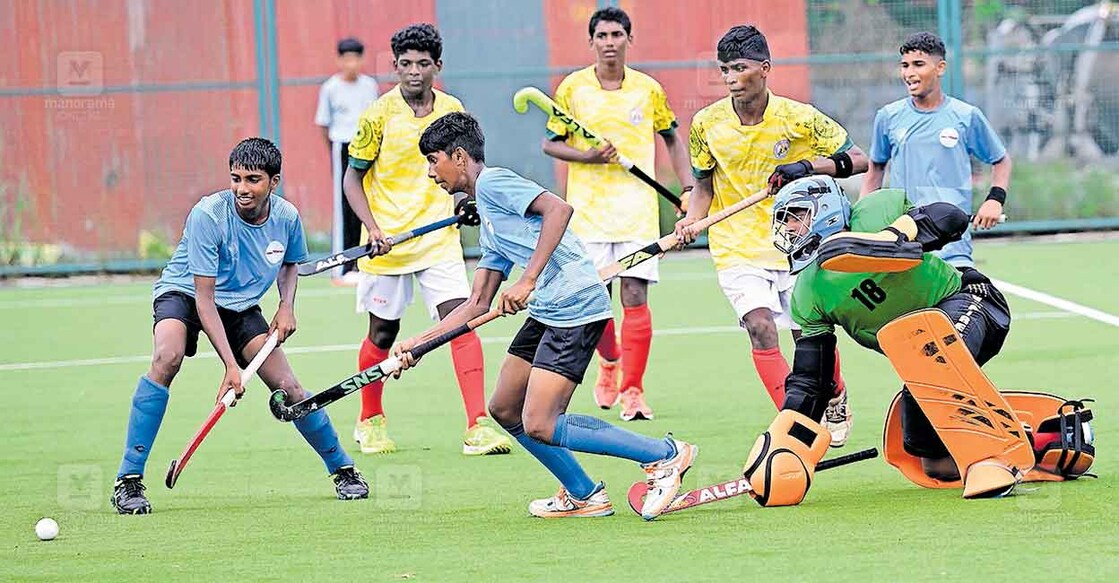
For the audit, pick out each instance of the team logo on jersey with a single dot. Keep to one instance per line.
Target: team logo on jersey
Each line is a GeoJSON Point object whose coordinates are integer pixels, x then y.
{"type": "Point", "coordinates": [781, 149]}
{"type": "Point", "coordinates": [636, 116]}
{"type": "Point", "coordinates": [274, 253]}
{"type": "Point", "coordinates": [949, 137]}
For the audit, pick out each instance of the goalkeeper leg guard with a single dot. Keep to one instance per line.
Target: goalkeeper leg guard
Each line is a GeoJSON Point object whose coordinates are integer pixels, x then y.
{"type": "Point", "coordinates": [783, 460]}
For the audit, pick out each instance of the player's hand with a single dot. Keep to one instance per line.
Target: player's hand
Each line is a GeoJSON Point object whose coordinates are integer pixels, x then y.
{"type": "Point", "coordinates": [685, 198]}
{"type": "Point", "coordinates": [604, 154]}
{"type": "Point", "coordinates": [231, 382]}
{"type": "Point", "coordinates": [685, 232]}
{"type": "Point", "coordinates": [467, 212]}
{"type": "Point", "coordinates": [515, 298]}
{"type": "Point", "coordinates": [988, 215]}
{"type": "Point", "coordinates": [403, 352]}
{"type": "Point", "coordinates": [787, 173]}
{"type": "Point", "coordinates": [283, 323]}
{"type": "Point", "coordinates": [381, 243]}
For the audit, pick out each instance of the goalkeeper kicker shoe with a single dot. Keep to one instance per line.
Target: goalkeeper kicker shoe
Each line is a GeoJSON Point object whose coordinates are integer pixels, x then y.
{"type": "Point", "coordinates": [664, 478]}
{"type": "Point", "coordinates": [564, 505]}
{"type": "Point", "coordinates": [484, 439]}
{"type": "Point", "coordinates": [128, 496]}
{"type": "Point", "coordinates": [634, 406]}
{"type": "Point", "coordinates": [837, 420]}
{"type": "Point", "coordinates": [373, 436]}
{"type": "Point", "coordinates": [349, 484]}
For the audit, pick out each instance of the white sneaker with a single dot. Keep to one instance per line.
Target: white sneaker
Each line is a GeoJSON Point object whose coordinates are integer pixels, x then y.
{"type": "Point", "coordinates": [837, 420]}
{"type": "Point", "coordinates": [563, 505]}
{"type": "Point", "coordinates": [664, 478]}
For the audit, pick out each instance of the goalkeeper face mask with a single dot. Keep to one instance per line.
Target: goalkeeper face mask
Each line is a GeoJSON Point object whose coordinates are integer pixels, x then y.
{"type": "Point", "coordinates": [805, 212]}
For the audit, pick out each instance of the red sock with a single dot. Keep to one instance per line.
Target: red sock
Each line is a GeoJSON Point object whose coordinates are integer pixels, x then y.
{"type": "Point", "coordinates": [772, 369]}
{"type": "Point", "coordinates": [637, 337]}
{"type": "Point", "coordinates": [608, 344]}
{"type": "Point", "coordinates": [368, 356]}
{"type": "Point", "coordinates": [466, 352]}
{"type": "Point", "coordinates": [840, 386]}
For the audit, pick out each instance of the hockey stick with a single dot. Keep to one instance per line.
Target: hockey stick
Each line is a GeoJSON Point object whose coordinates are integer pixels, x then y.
{"type": "Point", "coordinates": [284, 412]}
{"type": "Point", "coordinates": [178, 464]}
{"type": "Point", "coordinates": [532, 95]}
{"type": "Point", "coordinates": [669, 241]}
{"type": "Point", "coordinates": [730, 488]}
{"type": "Point", "coordinates": [332, 261]}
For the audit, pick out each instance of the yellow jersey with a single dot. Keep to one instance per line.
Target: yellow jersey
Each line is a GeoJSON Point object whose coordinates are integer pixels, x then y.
{"type": "Point", "coordinates": [400, 194]}
{"type": "Point", "coordinates": [742, 157]}
{"type": "Point", "coordinates": [612, 205]}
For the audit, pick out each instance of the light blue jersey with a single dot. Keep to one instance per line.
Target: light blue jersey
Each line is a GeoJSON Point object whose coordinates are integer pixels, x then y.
{"type": "Point", "coordinates": [929, 155]}
{"type": "Point", "coordinates": [568, 292]}
{"type": "Point", "coordinates": [245, 259]}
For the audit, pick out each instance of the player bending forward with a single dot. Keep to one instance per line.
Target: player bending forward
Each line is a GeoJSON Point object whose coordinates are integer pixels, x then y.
{"type": "Point", "coordinates": [523, 224]}
{"type": "Point", "coordinates": [867, 269]}
{"type": "Point", "coordinates": [236, 243]}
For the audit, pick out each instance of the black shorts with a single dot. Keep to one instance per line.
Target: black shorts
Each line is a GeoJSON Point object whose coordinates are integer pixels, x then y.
{"type": "Point", "coordinates": [982, 317]}
{"type": "Point", "coordinates": [240, 327]}
{"type": "Point", "coordinates": [564, 351]}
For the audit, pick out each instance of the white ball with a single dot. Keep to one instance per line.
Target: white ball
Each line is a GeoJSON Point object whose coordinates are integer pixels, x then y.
{"type": "Point", "coordinates": [46, 529]}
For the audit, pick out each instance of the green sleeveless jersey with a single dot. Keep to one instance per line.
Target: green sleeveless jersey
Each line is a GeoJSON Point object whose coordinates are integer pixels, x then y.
{"type": "Point", "coordinates": [861, 303]}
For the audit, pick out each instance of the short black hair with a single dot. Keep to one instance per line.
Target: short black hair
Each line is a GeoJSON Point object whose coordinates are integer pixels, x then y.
{"type": "Point", "coordinates": [454, 130]}
{"type": "Point", "coordinates": [925, 42]}
{"type": "Point", "coordinates": [743, 42]}
{"type": "Point", "coordinates": [350, 45]}
{"type": "Point", "coordinates": [256, 154]}
{"type": "Point", "coordinates": [610, 14]}
{"type": "Point", "coordinates": [421, 37]}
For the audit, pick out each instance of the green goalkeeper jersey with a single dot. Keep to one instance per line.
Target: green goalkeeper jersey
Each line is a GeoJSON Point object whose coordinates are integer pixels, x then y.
{"type": "Point", "coordinates": [861, 303]}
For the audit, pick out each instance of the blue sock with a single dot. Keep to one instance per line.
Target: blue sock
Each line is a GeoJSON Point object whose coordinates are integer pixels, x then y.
{"type": "Point", "coordinates": [559, 461]}
{"type": "Point", "coordinates": [320, 434]}
{"type": "Point", "coordinates": [593, 435]}
{"type": "Point", "coordinates": [149, 403]}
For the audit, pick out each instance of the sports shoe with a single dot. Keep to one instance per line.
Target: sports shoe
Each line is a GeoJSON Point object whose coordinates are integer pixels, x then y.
{"type": "Point", "coordinates": [373, 436]}
{"type": "Point", "coordinates": [634, 406]}
{"type": "Point", "coordinates": [837, 420]}
{"type": "Point", "coordinates": [606, 389]}
{"type": "Point", "coordinates": [664, 478]}
{"type": "Point", "coordinates": [564, 505]}
{"type": "Point", "coordinates": [128, 495]}
{"type": "Point", "coordinates": [484, 439]}
{"type": "Point", "coordinates": [349, 484]}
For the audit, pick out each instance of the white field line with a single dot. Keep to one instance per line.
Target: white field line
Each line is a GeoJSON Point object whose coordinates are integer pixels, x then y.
{"type": "Point", "coordinates": [142, 358]}
{"type": "Point", "coordinates": [1056, 302]}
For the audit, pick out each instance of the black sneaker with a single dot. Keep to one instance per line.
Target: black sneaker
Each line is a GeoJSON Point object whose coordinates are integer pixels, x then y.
{"type": "Point", "coordinates": [349, 484]}
{"type": "Point", "coordinates": [128, 496]}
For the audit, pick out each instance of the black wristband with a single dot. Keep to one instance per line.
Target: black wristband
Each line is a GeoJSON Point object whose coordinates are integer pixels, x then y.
{"type": "Point", "coordinates": [843, 164]}
{"type": "Point", "coordinates": [997, 193]}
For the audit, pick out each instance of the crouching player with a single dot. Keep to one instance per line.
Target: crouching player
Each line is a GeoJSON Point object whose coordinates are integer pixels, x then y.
{"type": "Point", "coordinates": [236, 243]}
{"type": "Point", "coordinates": [523, 224]}
{"type": "Point", "coordinates": [866, 269]}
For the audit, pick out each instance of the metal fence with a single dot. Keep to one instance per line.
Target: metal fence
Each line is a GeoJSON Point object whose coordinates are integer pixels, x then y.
{"type": "Point", "coordinates": [117, 115]}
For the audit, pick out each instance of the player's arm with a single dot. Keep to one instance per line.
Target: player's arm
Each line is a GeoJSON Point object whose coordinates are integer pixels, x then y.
{"type": "Point", "coordinates": [211, 324]}
{"type": "Point", "coordinates": [843, 163]}
{"type": "Point", "coordinates": [284, 321]}
{"type": "Point", "coordinates": [991, 210]}
{"type": "Point", "coordinates": [879, 155]}
{"type": "Point", "coordinates": [559, 149]}
{"type": "Point", "coordinates": [809, 384]}
{"type": "Point", "coordinates": [873, 179]}
{"type": "Point", "coordinates": [322, 115]}
{"type": "Point", "coordinates": [699, 205]}
{"type": "Point", "coordinates": [555, 214]}
{"type": "Point", "coordinates": [364, 149]}
{"type": "Point", "coordinates": [678, 154]}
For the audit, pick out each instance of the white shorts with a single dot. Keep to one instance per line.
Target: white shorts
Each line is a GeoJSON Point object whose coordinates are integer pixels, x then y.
{"type": "Point", "coordinates": [387, 296]}
{"type": "Point", "coordinates": [603, 254]}
{"type": "Point", "coordinates": [749, 288]}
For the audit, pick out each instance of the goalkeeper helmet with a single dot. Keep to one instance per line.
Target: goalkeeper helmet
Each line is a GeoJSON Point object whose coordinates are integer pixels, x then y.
{"type": "Point", "coordinates": [805, 212]}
